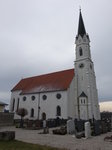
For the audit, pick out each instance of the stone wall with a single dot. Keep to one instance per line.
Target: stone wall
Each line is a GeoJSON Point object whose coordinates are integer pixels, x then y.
{"type": "Point", "coordinates": [6, 119]}
{"type": "Point", "coordinates": [2, 108]}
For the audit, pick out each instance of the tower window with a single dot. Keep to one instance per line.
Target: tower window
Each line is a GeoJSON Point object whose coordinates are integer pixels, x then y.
{"type": "Point", "coordinates": [80, 51]}
{"type": "Point", "coordinates": [84, 101]}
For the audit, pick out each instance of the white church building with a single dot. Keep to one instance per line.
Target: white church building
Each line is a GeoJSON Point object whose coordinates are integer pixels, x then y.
{"type": "Point", "coordinates": [65, 94]}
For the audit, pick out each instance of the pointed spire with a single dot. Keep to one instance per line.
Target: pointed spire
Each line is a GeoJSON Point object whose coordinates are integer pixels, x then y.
{"type": "Point", "coordinates": [81, 27]}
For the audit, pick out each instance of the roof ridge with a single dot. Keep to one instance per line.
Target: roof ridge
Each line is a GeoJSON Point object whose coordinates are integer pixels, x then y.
{"type": "Point", "coordinates": [47, 74]}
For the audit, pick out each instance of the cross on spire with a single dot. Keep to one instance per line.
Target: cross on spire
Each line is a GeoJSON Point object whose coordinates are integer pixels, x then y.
{"type": "Point", "coordinates": [80, 8]}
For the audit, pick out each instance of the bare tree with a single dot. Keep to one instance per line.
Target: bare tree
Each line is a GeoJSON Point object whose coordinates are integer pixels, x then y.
{"type": "Point", "coordinates": [22, 112]}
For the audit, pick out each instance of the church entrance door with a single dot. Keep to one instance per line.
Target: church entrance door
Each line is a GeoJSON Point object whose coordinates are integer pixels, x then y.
{"type": "Point", "coordinates": [43, 116]}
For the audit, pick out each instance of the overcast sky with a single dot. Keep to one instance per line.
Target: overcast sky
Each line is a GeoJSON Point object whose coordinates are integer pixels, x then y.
{"type": "Point", "coordinates": [37, 37]}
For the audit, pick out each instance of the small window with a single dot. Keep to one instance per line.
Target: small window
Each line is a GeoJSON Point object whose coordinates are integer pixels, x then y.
{"type": "Point", "coordinates": [80, 51]}
{"type": "Point", "coordinates": [58, 111]}
{"type": "Point", "coordinates": [58, 95]}
{"type": "Point", "coordinates": [84, 101]}
{"type": "Point", "coordinates": [24, 98]}
{"type": "Point", "coordinates": [33, 98]}
{"type": "Point", "coordinates": [32, 113]}
{"type": "Point", "coordinates": [18, 104]}
{"type": "Point", "coordinates": [13, 104]}
{"type": "Point", "coordinates": [44, 97]}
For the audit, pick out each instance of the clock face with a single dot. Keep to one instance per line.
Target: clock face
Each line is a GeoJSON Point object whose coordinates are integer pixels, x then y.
{"type": "Point", "coordinates": [81, 65]}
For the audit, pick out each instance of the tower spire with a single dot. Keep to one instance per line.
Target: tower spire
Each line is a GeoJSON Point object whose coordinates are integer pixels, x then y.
{"type": "Point", "coordinates": [81, 27]}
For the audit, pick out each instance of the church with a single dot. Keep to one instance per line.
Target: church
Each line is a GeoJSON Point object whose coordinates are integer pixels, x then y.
{"type": "Point", "coordinates": [65, 94]}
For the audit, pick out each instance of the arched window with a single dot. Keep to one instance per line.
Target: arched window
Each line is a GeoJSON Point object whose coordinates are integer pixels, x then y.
{"type": "Point", "coordinates": [84, 101]}
{"type": "Point", "coordinates": [18, 104]}
{"type": "Point", "coordinates": [80, 51]}
{"type": "Point", "coordinates": [43, 116]}
{"type": "Point", "coordinates": [58, 111]}
{"type": "Point", "coordinates": [32, 113]}
{"type": "Point", "coordinates": [13, 103]}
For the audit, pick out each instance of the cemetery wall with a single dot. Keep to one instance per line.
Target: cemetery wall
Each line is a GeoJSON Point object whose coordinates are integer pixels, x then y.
{"type": "Point", "coordinates": [6, 119]}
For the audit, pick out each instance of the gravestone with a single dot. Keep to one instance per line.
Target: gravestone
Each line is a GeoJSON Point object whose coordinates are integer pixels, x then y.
{"type": "Point", "coordinates": [44, 123]}
{"type": "Point", "coordinates": [87, 130]}
{"type": "Point", "coordinates": [6, 119]}
{"type": "Point", "coordinates": [70, 127]}
{"type": "Point", "coordinates": [79, 125]}
{"type": "Point", "coordinates": [7, 135]}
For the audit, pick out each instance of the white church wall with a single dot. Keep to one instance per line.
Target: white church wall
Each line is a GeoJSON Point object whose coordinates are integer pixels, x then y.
{"type": "Point", "coordinates": [71, 100]}
{"type": "Point", "coordinates": [13, 102]}
{"type": "Point", "coordinates": [30, 104]}
{"type": "Point", "coordinates": [49, 105]}
{"type": "Point", "coordinates": [85, 76]}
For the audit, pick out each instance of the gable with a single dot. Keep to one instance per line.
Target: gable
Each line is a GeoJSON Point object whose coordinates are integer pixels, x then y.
{"type": "Point", "coordinates": [45, 83]}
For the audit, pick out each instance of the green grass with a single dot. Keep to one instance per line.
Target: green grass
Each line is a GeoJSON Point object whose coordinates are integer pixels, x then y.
{"type": "Point", "coordinates": [17, 145]}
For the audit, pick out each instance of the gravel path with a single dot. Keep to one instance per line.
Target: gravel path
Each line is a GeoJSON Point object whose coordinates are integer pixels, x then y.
{"type": "Point", "coordinates": [67, 141]}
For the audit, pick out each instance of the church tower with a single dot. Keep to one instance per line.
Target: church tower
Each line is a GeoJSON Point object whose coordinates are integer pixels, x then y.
{"type": "Point", "coordinates": [86, 96]}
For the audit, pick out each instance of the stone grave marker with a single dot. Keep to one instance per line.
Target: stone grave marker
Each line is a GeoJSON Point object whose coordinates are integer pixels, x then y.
{"type": "Point", "coordinates": [87, 130]}
{"type": "Point", "coordinates": [70, 127]}
{"type": "Point", "coordinates": [7, 135]}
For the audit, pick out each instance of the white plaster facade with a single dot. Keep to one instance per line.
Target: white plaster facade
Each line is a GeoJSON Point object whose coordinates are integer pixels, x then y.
{"type": "Point", "coordinates": [40, 106]}
{"type": "Point", "coordinates": [85, 80]}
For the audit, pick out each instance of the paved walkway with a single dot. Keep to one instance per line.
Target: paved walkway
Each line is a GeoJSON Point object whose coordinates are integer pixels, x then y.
{"type": "Point", "coordinates": [67, 141]}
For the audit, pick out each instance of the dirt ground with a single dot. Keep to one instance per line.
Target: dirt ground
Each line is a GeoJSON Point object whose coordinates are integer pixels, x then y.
{"type": "Point", "coordinates": [68, 142]}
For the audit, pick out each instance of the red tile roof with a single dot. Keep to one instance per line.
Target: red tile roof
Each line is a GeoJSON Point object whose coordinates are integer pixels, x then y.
{"type": "Point", "coordinates": [44, 83]}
